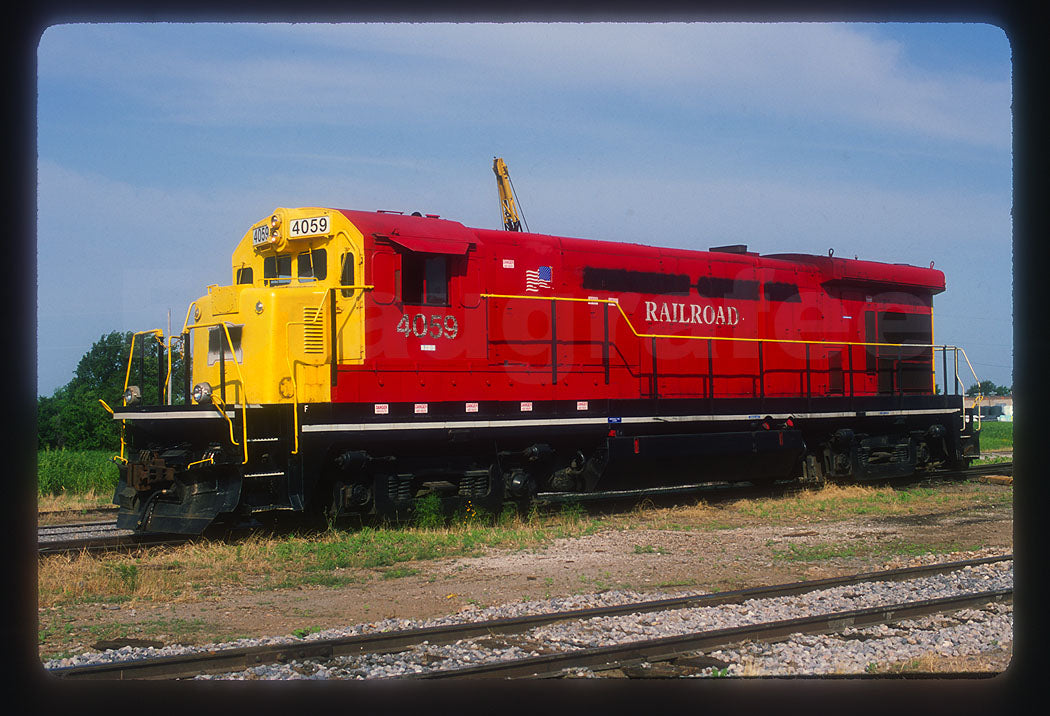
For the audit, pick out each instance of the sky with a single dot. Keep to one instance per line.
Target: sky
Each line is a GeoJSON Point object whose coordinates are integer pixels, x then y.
{"type": "Point", "coordinates": [160, 144]}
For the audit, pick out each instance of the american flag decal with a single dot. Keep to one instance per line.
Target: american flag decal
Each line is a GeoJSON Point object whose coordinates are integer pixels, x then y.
{"type": "Point", "coordinates": [540, 278]}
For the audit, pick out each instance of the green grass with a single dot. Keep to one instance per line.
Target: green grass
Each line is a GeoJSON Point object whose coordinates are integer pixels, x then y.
{"type": "Point", "coordinates": [825, 551]}
{"type": "Point", "coordinates": [997, 436]}
{"type": "Point", "coordinates": [373, 548]}
{"type": "Point", "coordinates": [75, 471]}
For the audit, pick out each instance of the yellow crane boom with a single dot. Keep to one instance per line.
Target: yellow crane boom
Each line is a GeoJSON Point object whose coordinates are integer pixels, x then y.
{"type": "Point", "coordinates": [511, 220]}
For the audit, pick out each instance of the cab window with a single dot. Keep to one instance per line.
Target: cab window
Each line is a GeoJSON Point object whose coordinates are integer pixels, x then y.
{"type": "Point", "coordinates": [424, 279]}
{"type": "Point", "coordinates": [346, 274]}
{"type": "Point", "coordinates": [244, 275]}
{"type": "Point", "coordinates": [313, 266]}
{"type": "Point", "coordinates": [277, 270]}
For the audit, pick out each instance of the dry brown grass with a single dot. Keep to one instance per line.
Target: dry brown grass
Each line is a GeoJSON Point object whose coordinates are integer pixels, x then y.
{"type": "Point", "coordinates": [69, 502]}
{"type": "Point", "coordinates": [933, 663]}
{"type": "Point", "coordinates": [184, 573]}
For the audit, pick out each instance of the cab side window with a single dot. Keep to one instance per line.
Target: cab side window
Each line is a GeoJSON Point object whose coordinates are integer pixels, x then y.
{"type": "Point", "coordinates": [424, 279]}
{"type": "Point", "coordinates": [346, 274]}
{"type": "Point", "coordinates": [244, 275]}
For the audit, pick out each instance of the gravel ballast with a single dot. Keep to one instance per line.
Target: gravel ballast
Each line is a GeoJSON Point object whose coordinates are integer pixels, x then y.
{"type": "Point", "coordinates": [965, 632]}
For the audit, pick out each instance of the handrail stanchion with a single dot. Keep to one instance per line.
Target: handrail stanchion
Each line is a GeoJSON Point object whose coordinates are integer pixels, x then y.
{"type": "Point", "coordinates": [605, 342]}
{"type": "Point", "coordinates": [849, 364]}
{"type": "Point", "coordinates": [162, 379]}
{"type": "Point", "coordinates": [944, 368]}
{"type": "Point", "coordinates": [809, 384]}
{"type": "Point", "coordinates": [955, 352]}
{"type": "Point", "coordinates": [222, 367]}
{"type": "Point", "coordinates": [554, 342]}
{"type": "Point", "coordinates": [142, 367]}
{"type": "Point", "coordinates": [710, 376]}
{"type": "Point", "coordinates": [654, 391]}
{"type": "Point", "coordinates": [335, 336]}
{"type": "Point", "coordinates": [761, 374]}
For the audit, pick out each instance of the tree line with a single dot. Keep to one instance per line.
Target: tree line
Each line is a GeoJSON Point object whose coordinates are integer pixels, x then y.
{"type": "Point", "coordinates": [987, 387]}
{"type": "Point", "coordinates": [72, 416]}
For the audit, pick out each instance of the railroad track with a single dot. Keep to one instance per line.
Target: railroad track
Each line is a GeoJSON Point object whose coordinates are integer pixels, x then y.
{"type": "Point", "coordinates": [548, 665]}
{"type": "Point", "coordinates": [95, 537]}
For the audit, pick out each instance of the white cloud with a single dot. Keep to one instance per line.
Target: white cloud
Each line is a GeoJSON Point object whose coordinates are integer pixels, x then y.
{"type": "Point", "coordinates": [345, 73]}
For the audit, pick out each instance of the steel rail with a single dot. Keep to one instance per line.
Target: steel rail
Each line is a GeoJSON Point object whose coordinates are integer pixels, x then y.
{"type": "Point", "coordinates": [666, 648]}
{"type": "Point", "coordinates": [110, 544]}
{"type": "Point", "coordinates": [238, 659]}
{"type": "Point", "coordinates": [100, 526]}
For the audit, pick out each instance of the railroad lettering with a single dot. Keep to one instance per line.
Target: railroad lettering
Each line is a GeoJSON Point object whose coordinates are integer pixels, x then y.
{"type": "Point", "coordinates": [691, 313]}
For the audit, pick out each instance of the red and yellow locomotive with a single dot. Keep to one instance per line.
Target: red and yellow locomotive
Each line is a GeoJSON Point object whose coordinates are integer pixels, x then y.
{"type": "Point", "coordinates": [361, 360]}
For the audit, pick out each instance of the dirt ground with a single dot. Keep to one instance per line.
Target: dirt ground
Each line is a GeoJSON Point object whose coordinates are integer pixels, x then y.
{"type": "Point", "coordinates": [666, 561]}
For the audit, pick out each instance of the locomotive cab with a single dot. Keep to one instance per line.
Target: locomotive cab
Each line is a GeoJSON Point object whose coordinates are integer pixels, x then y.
{"type": "Point", "coordinates": [269, 337]}
{"type": "Point", "coordinates": [257, 352]}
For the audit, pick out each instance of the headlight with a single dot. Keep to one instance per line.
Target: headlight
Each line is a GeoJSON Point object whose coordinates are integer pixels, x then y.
{"type": "Point", "coordinates": [132, 395]}
{"type": "Point", "coordinates": [202, 393]}
{"type": "Point", "coordinates": [259, 307]}
{"type": "Point", "coordinates": [275, 221]}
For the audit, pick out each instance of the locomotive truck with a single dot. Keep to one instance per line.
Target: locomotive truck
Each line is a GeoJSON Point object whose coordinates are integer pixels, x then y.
{"type": "Point", "coordinates": [358, 361]}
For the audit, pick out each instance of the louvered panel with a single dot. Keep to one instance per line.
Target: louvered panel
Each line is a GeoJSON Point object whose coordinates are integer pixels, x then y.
{"type": "Point", "coordinates": [313, 331]}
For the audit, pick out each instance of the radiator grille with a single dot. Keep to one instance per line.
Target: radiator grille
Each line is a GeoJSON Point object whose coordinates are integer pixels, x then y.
{"type": "Point", "coordinates": [313, 331]}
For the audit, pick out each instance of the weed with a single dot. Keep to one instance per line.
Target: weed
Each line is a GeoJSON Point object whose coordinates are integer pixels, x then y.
{"type": "Point", "coordinates": [647, 549]}
{"type": "Point", "coordinates": [127, 573]}
{"type": "Point", "coordinates": [428, 514]}
{"type": "Point", "coordinates": [508, 515]}
{"type": "Point", "coordinates": [572, 512]}
{"type": "Point", "coordinates": [824, 551]}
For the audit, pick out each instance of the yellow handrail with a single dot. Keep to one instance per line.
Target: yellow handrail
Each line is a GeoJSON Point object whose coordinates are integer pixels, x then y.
{"type": "Point", "coordinates": [182, 352]}
{"type": "Point", "coordinates": [186, 320]}
{"type": "Point", "coordinates": [244, 385]}
{"type": "Point", "coordinates": [630, 325]}
{"type": "Point", "coordinates": [121, 456]}
{"type": "Point", "coordinates": [209, 459]}
{"type": "Point", "coordinates": [219, 405]}
{"type": "Point", "coordinates": [158, 333]}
